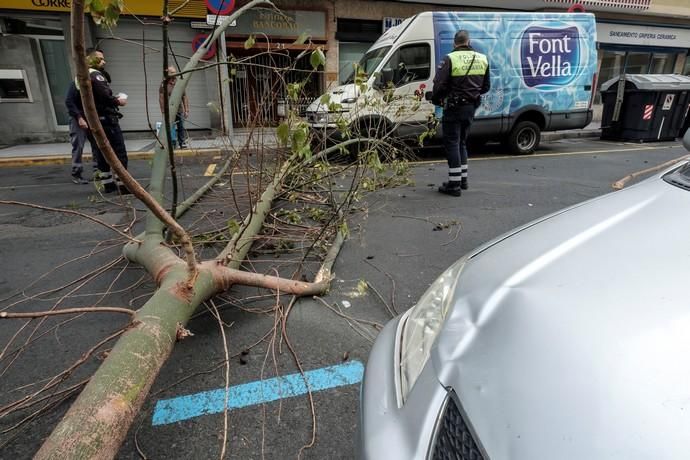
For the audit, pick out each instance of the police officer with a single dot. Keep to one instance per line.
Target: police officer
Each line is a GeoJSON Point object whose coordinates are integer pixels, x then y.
{"type": "Point", "coordinates": [460, 80]}
{"type": "Point", "coordinates": [107, 106]}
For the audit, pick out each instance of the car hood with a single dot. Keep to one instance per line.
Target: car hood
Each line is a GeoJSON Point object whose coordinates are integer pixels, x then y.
{"type": "Point", "coordinates": [570, 339]}
{"type": "Point", "coordinates": [336, 95]}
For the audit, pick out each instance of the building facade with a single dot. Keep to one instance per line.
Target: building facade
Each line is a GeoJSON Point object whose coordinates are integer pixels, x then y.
{"type": "Point", "coordinates": [634, 36]}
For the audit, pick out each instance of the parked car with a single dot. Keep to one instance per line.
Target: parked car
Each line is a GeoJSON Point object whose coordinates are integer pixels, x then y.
{"type": "Point", "coordinates": [567, 338]}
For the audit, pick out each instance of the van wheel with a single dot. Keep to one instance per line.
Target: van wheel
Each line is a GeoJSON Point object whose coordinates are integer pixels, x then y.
{"type": "Point", "coordinates": [365, 131]}
{"type": "Point", "coordinates": [524, 138]}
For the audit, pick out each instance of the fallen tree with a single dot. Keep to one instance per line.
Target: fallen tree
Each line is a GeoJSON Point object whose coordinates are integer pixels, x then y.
{"type": "Point", "coordinates": [98, 421]}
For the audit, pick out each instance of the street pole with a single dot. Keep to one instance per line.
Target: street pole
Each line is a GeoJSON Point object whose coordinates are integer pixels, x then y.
{"type": "Point", "coordinates": [226, 107]}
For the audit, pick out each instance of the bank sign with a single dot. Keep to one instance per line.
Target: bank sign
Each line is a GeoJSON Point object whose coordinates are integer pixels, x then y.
{"type": "Point", "coordinates": [140, 7]}
{"type": "Point", "coordinates": [549, 57]}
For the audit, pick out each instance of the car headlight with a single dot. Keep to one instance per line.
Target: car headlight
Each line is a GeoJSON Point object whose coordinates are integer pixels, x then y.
{"type": "Point", "coordinates": [422, 323]}
{"type": "Point", "coordinates": [321, 117]}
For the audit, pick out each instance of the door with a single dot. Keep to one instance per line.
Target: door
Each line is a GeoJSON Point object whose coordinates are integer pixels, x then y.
{"type": "Point", "coordinates": [56, 64]}
{"type": "Point", "coordinates": [407, 74]}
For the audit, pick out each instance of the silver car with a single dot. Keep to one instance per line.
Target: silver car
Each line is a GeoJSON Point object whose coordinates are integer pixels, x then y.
{"type": "Point", "coordinates": [567, 338]}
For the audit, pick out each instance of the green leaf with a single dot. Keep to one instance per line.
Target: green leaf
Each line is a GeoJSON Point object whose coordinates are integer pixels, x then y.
{"type": "Point", "coordinates": [213, 107]}
{"type": "Point", "coordinates": [317, 58]}
{"type": "Point", "coordinates": [325, 99]}
{"type": "Point", "coordinates": [112, 14]}
{"type": "Point", "coordinates": [250, 42]}
{"type": "Point", "coordinates": [233, 227]}
{"type": "Point", "coordinates": [283, 133]}
{"type": "Point", "coordinates": [305, 152]}
{"type": "Point", "coordinates": [344, 229]}
{"type": "Point", "coordinates": [293, 91]}
{"type": "Point", "coordinates": [299, 139]}
{"type": "Point", "coordinates": [302, 38]}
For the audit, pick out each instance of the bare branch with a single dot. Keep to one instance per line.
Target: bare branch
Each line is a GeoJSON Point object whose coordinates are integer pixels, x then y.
{"type": "Point", "coordinates": [75, 213]}
{"type": "Point", "coordinates": [67, 311]}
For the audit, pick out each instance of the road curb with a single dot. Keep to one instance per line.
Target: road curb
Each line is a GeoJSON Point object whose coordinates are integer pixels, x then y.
{"type": "Point", "coordinates": [67, 159]}
{"type": "Point", "coordinates": [556, 135]}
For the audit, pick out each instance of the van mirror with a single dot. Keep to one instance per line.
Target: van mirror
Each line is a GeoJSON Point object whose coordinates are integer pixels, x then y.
{"type": "Point", "coordinates": [427, 95]}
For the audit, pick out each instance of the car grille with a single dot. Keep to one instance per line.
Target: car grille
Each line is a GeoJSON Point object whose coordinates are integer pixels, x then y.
{"type": "Point", "coordinates": [454, 440]}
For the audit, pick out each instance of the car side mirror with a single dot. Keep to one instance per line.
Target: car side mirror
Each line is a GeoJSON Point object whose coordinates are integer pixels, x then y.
{"type": "Point", "coordinates": [427, 95]}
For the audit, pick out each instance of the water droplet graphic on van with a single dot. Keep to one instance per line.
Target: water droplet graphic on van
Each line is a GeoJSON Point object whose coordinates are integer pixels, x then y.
{"type": "Point", "coordinates": [549, 57]}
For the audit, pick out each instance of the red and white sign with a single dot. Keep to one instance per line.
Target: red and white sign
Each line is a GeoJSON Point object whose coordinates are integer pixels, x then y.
{"type": "Point", "coordinates": [668, 101]}
{"type": "Point", "coordinates": [199, 40]}
{"type": "Point", "coordinates": [648, 111]}
{"type": "Point", "coordinates": [220, 7]}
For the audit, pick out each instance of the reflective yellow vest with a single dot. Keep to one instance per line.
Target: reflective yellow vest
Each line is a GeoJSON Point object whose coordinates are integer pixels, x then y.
{"type": "Point", "coordinates": [460, 62]}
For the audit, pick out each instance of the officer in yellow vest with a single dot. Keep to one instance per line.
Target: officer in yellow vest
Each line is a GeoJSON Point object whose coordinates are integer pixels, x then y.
{"type": "Point", "coordinates": [460, 80]}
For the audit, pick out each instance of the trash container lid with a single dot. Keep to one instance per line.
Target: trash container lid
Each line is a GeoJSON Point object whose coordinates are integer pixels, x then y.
{"type": "Point", "coordinates": [652, 82]}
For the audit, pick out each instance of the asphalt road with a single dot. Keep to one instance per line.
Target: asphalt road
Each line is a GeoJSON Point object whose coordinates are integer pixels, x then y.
{"type": "Point", "coordinates": [402, 240]}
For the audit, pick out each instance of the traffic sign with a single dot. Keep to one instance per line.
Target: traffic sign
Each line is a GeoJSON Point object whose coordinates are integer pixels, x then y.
{"type": "Point", "coordinates": [199, 40]}
{"type": "Point", "coordinates": [199, 25]}
{"type": "Point", "coordinates": [221, 7]}
{"type": "Point", "coordinates": [214, 20]}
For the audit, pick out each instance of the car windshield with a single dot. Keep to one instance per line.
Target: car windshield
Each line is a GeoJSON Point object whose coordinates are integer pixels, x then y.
{"type": "Point", "coordinates": [368, 63]}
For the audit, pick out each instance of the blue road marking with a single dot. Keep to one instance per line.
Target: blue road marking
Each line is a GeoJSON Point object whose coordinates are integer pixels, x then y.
{"type": "Point", "coordinates": [261, 391]}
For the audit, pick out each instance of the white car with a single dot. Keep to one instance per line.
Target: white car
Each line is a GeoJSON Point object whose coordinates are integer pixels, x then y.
{"type": "Point", "coordinates": [567, 338]}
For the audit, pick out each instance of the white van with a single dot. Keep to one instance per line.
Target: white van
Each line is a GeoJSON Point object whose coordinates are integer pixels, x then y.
{"type": "Point", "coordinates": [543, 75]}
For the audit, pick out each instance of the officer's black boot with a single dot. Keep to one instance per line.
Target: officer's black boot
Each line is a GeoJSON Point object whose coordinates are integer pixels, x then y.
{"type": "Point", "coordinates": [463, 183]}
{"type": "Point", "coordinates": [109, 187]}
{"type": "Point", "coordinates": [450, 188]}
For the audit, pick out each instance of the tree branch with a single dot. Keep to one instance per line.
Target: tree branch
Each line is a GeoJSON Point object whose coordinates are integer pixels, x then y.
{"type": "Point", "coordinates": [67, 311]}
{"type": "Point", "coordinates": [75, 213]}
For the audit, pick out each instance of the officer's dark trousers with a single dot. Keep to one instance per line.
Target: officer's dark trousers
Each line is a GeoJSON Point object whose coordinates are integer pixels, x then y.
{"type": "Point", "coordinates": [117, 142]}
{"type": "Point", "coordinates": [456, 124]}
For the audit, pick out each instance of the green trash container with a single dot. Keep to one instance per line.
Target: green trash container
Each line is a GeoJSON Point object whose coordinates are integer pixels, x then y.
{"type": "Point", "coordinates": [650, 108]}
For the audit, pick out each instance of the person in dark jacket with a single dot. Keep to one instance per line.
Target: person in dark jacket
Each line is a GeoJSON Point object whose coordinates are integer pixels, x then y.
{"type": "Point", "coordinates": [79, 132]}
{"type": "Point", "coordinates": [460, 80]}
{"type": "Point", "coordinates": [107, 106]}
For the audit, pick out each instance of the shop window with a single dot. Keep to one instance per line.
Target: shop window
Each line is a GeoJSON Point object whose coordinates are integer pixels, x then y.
{"type": "Point", "coordinates": [358, 30]}
{"type": "Point", "coordinates": [686, 71]}
{"type": "Point", "coordinates": [662, 63]}
{"type": "Point", "coordinates": [637, 63]}
{"type": "Point", "coordinates": [14, 86]}
{"type": "Point", "coordinates": [409, 64]}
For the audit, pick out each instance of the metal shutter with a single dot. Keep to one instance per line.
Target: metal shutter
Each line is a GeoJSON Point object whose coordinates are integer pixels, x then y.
{"type": "Point", "coordinates": [128, 61]}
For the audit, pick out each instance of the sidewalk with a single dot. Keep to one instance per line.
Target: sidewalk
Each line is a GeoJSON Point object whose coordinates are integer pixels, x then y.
{"type": "Point", "coordinates": [59, 153]}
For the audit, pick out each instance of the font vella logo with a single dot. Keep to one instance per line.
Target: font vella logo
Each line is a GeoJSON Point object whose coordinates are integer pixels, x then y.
{"type": "Point", "coordinates": [549, 57]}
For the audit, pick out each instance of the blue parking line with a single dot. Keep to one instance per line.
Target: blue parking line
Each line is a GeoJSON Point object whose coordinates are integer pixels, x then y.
{"type": "Point", "coordinates": [257, 392]}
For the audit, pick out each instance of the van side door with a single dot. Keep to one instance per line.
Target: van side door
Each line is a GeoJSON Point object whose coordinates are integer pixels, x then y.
{"type": "Point", "coordinates": [404, 79]}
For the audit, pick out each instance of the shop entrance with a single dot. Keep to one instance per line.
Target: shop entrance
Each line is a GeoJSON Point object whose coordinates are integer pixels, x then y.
{"type": "Point", "coordinates": [259, 83]}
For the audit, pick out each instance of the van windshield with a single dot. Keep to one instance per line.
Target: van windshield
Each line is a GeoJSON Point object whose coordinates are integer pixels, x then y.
{"type": "Point", "coordinates": [369, 62]}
